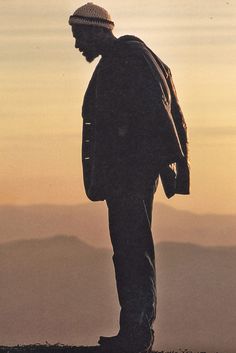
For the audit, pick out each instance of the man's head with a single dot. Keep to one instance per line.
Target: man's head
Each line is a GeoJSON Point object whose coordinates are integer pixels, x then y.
{"type": "Point", "coordinates": [92, 30]}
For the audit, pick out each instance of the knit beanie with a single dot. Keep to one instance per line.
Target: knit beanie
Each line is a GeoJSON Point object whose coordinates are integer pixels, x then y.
{"type": "Point", "coordinates": [91, 14]}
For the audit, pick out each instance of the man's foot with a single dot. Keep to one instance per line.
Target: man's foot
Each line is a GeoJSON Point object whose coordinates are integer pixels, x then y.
{"type": "Point", "coordinates": [107, 340]}
{"type": "Point", "coordinates": [129, 343]}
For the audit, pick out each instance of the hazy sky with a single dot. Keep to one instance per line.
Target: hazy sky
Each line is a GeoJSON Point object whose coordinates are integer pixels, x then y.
{"type": "Point", "coordinates": [43, 79]}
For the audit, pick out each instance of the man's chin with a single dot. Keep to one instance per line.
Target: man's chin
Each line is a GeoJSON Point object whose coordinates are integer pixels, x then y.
{"type": "Point", "coordinates": [90, 56]}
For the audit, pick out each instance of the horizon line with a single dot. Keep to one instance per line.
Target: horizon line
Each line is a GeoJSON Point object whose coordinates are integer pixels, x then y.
{"type": "Point", "coordinates": [86, 203]}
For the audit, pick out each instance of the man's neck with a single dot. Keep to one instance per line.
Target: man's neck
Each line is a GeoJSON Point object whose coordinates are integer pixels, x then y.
{"type": "Point", "coordinates": [106, 49]}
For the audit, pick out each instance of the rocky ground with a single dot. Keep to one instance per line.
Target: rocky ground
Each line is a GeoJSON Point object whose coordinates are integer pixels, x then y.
{"type": "Point", "coordinates": [59, 348]}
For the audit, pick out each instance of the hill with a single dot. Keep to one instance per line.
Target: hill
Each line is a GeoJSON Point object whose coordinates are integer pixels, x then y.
{"type": "Point", "coordinates": [62, 290]}
{"type": "Point", "coordinates": [89, 223]}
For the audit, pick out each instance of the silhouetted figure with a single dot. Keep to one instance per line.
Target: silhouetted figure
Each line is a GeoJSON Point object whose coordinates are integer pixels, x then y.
{"type": "Point", "coordinates": [133, 131]}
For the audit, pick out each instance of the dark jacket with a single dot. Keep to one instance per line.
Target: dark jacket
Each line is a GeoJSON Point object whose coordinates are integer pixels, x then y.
{"type": "Point", "coordinates": [133, 127]}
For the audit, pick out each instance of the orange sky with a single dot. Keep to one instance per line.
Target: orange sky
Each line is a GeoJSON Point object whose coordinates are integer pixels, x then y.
{"type": "Point", "coordinates": [43, 79]}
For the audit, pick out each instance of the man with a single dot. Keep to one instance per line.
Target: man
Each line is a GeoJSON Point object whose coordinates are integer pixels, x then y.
{"type": "Point", "coordinates": [133, 131]}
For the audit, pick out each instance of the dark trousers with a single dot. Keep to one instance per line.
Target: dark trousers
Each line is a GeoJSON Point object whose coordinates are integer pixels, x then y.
{"type": "Point", "coordinates": [130, 218]}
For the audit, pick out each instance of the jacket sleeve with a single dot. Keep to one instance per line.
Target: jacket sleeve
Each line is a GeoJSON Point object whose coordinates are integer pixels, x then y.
{"type": "Point", "coordinates": [182, 166]}
{"type": "Point", "coordinates": [178, 116]}
{"type": "Point", "coordinates": [127, 102]}
{"type": "Point", "coordinates": [130, 99]}
{"type": "Point", "coordinates": [131, 88]}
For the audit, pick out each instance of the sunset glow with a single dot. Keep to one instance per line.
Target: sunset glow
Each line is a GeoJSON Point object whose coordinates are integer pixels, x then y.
{"type": "Point", "coordinates": [43, 79]}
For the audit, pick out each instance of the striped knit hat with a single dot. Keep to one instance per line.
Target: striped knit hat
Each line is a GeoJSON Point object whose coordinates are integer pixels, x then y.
{"type": "Point", "coordinates": [91, 14]}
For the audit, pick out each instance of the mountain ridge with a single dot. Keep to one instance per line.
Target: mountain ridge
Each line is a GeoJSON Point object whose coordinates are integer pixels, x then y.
{"type": "Point", "coordinates": [57, 290]}
{"type": "Point", "coordinates": [90, 223]}
{"type": "Point", "coordinates": [64, 237]}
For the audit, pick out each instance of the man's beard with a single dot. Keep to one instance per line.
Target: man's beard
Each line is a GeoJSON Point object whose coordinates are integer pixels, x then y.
{"type": "Point", "coordinates": [90, 55]}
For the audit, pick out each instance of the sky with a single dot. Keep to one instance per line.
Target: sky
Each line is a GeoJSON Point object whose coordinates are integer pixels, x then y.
{"type": "Point", "coordinates": [43, 80]}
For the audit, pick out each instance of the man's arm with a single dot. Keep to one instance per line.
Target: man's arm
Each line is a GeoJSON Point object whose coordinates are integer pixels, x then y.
{"type": "Point", "coordinates": [132, 101]}
{"type": "Point", "coordinates": [129, 106]}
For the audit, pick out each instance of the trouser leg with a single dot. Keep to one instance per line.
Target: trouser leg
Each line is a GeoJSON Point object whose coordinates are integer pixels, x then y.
{"type": "Point", "coordinates": [134, 259]}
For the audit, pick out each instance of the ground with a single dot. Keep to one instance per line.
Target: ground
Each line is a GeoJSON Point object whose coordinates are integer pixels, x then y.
{"type": "Point", "coordinates": [59, 348]}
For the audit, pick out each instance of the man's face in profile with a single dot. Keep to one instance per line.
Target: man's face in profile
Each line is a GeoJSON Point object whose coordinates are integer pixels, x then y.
{"type": "Point", "coordinates": [86, 41]}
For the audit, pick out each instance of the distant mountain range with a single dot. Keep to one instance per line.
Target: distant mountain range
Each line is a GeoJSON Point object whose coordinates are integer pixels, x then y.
{"type": "Point", "coordinates": [60, 289]}
{"type": "Point", "coordinates": [89, 223]}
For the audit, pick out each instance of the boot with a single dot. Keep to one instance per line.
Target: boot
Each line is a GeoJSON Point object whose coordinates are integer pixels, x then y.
{"type": "Point", "coordinates": [134, 341]}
